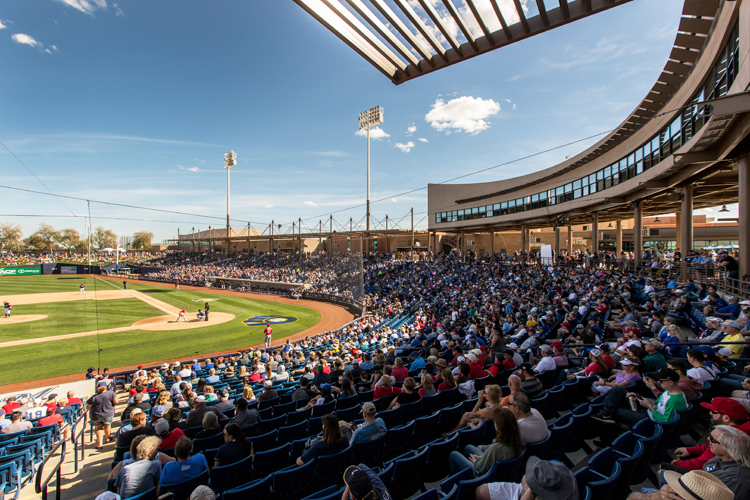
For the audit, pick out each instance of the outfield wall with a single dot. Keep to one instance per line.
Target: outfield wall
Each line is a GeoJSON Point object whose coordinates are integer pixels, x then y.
{"type": "Point", "coordinates": [58, 268]}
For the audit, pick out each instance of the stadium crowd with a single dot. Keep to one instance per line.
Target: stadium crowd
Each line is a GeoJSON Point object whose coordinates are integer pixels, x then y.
{"type": "Point", "coordinates": [491, 352]}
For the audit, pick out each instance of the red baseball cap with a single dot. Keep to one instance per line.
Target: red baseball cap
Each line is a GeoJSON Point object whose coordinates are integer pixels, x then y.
{"type": "Point", "coordinates": [140, 367]}
{"type": "Point", "coordinates": [728, 407]}
{"type": "Point", "coordinates": [557, 344]}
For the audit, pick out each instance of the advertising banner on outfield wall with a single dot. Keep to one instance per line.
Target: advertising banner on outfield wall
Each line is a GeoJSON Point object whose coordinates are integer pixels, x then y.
{"type": "Point", "coordinates": [20, 271]}
{"type": "Point", "coordinates": [68, 269]}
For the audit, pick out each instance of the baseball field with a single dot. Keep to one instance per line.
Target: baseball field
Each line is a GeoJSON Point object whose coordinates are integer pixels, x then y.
{"type": "Point", "coordinates": [56, 330]}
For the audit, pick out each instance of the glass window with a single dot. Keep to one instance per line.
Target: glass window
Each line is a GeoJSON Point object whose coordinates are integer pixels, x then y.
{"type": "Point", "coordinates": [496, 207]}
{"type": "Point", "coordinates": [543, 195]}
{"type": "Point", "coordinates": [577, 184]}
{"type": "Point", "coordinates": [569, 187]}
{"type": "Point", "coordinates": [490, 212]}
{"type": "Point", "coordinates": [608, 172]}
{"type": "Point", "coordinates": [585, 191]}
{"type": "Point", "coordinates": [576, 193]}
{"type": "Point", "coordinates": [592, 179]}
{"type": "Point", "coordinates": [559, 191]}
{"type": "Point", "coordinates": [600, 175]}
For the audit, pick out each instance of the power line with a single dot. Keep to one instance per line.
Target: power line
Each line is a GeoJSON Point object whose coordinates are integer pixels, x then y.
{"type": "Point", "coordinates": [35, 177]}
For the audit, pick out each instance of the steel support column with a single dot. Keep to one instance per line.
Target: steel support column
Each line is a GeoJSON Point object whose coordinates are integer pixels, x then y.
{"type": "Point", "coordinates": [570, 240]}
{"type": "Point", "coordinates": [744, 215]}
{"type": "Point", "coordinates": [595, 233]}
{"type": "Point", "coordinates": [524, 239]}
{"type": "Point", "coordinates": [686, 219]}
{"type": "Point", "coordinates": [618, 244]}
{"type": "Point", "coordinates": [638, 234]}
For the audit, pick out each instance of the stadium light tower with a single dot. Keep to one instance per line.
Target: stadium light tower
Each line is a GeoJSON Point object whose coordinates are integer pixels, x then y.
{"type": "Point", "coordinates": [367, 119]}
{"type": "Point", "coordinates": [230, 160]}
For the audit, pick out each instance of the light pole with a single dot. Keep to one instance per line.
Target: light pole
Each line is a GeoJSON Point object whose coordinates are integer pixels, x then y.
{"type": "Point", "coordinates": [230, 160]}
{"type": "Point", "coordinates": [367, 119]}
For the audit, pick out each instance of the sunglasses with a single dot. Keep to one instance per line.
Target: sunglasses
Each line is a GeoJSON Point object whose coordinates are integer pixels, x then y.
{"type": "Point", "coordinates": [713, 439]}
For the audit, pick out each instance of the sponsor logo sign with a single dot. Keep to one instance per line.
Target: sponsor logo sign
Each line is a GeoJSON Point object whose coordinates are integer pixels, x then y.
{"type": "Point", "coordinates": [68, 269]}
{"type": "Point", "coordinates": [205, 300]}
{"type": "Point", "coordinates": [274, 320]}
{"type": "Point", "coordinates": [20, 271]}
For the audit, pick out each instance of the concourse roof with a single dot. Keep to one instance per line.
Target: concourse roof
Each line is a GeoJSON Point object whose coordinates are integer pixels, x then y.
{"type": "Point", "coordinates": [405, 39]}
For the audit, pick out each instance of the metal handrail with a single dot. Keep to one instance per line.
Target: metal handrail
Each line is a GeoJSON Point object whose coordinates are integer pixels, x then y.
{"type": "Point", "coordinates": [74, 438]}
{"type": "Point", "coordinates": [40, 487]}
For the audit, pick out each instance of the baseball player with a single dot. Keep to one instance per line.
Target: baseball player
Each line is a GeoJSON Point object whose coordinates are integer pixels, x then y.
{"type": "Point", "coordinates": [182, 316]}
{"type": "Point", "coordinates": [268, 331]}
{"type": "Point", "coordinates": [7, 307]}
{"type": "Point", "coordinates": [83, 289]}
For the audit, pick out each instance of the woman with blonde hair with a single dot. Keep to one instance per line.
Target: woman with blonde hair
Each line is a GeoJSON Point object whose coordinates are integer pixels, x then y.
{"type": "Point", "coordinates": [487, 402]}
{"type": "Point", "coordinates": [385, 388]}
{"type": "Point", "coordinates": [427, 387]}
{"type": "Point", "coordinates": [163, 400]}
{"type": "Point", "coordinates": [248, 394]}
{"type": "Point", "coordinates": [243, 371]}
{"type": "Point", "coordinates": [674, 335]}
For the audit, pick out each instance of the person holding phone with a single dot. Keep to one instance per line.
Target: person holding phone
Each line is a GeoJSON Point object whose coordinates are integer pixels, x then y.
{"type": "Point", "coordinates": [616, 408]}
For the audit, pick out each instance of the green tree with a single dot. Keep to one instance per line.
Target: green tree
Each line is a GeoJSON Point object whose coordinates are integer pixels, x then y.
{"type": "Point", "coordinates": [142, 240]}
{"type": "Point", "coordinates": [10, 236]}
{"type": "Point", "coordinates": [103, 238]}
{"type": "Point", "coordinates": [44, 238]}
{"type": "Point", "coordinates": [69, 239]}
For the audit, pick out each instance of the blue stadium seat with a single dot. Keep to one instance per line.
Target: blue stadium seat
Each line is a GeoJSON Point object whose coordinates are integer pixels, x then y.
{"type": "Point", "coordinates": [257, 490]}
{"type": "Point", "coordinates": [408, 475]}
{"type": "Point", "coordinates": [149, 494]}
{"type": "Point", "coordinates": [438, 458]}
{"type": "Point", "coordinates": [511, 470]}
{"type": "Point", "coordinates": [324, 409]}
{"type": "Point", "coordinates": [410, 411]}
{"type": "Point", "coordinates": [296, 417]}
{"type": "Point", "coordinates": [226, 477]}
{"type": "Point", "coordinates": [333, 492]}
{"type": "Point", "coordinates": [291, 482]}
{"type": "Point", "coordinates": [601, 474]}
{"type": "Point", "coordinates": [206, 443]}
{"type": "Point", "coordinates": [448, 485]}
{"type": "Point", "coordinates": [268, 462]}
{"type": "Point", "coordinates": [330, 468]}
{"type": "Point", "coordinates": [289, 433]}
{"type": "Point", "coordinates": [391, 417]}
{"type": "Point", "coordinates": [649, 433]}
{"type": "Point", "coordinates": [183, 490]}
{"type": "Point", "coordinates": [369, 452]}
{"type": "Point", "coordinates": [264, 441]}
{"type": "Point", "coordinates": [271, 424]}
{"type": "Point", "coordinates": [449, 418]}
{"type": "Point", "coordinates": [398, 441]}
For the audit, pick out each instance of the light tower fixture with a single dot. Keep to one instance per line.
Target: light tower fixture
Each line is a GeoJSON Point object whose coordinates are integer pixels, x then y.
{"type": "Point", "coordinates": [230, 160]}
{"type": "Point", "coordinates": [367, 119]}
{"type": "Point", "coordinates": [724, 209]}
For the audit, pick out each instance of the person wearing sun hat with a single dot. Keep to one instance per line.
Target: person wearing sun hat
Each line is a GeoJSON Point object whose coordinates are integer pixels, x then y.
{"type": "Point", "coordinates": [732, 329]}
{"type": "Point", "coordinates": [695, 485]}
{"type": "Point", "coordinates": [547, 480]}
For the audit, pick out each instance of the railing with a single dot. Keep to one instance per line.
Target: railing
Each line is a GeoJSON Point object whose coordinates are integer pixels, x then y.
{"type": "Point", "coordinates": [41, 487]}
{"type": "Point", "coordinates": [334, 298]}
{"type": "Point", "coordinates": [75, 438]}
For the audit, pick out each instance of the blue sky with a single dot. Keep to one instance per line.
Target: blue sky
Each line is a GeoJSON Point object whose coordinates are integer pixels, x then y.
{"type": "Point", "coordinates": [136, 102]}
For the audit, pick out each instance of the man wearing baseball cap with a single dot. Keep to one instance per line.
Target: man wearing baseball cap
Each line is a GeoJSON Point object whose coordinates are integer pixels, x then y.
{"type": "Point", "coordinates": [723, 411]}
{"type": "Point", "coordinates": [363, 484]}
{"type": "Point", "coordinates": [548, 480]}
{"type": "Point", "coordinates": [654, 360]}
{"type": "Point", "coordinates": [732, 329]}
{"type": "Point", "coordinates": [373, 428]}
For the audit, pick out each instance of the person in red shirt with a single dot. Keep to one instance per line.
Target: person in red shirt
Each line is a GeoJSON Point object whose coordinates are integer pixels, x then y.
{"type": "Point", "coordinates": [385, 388]}
{"type": "Point", "coordinates": [267, 332]}
{"type": "Point", "coordinates": [10, 405]}
{"type": "Point", "coordinates": [724, 411]}
{"type": "Point", "coordinates": [505, 361]}
{"type": "Point", "coordinates": [475, 369]}
{"type": "Point", "coordinates": [606, 357]}
{"type": "Point", "coordinates": [72, 399]}
{"type": "Point", "coordinates": [400, 372]}
{"type": "Point", "coordinates": [168, 437]}
{"type": "Point", "coordinates": [54, 418]}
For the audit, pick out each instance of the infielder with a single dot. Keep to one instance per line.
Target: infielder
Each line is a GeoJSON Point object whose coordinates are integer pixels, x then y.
{"type": "Point", "coordinates": [182, 316]}
{"type": "Point", "coordinates": [6, 305]}
{"type": "Point", "coordinates": [83, 289]}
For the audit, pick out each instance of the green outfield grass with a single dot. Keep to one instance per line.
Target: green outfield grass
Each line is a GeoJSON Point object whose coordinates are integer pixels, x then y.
{"type": "Point", "coordinates": [64, 357]}
{"type": "Point", "coordinates": [76, 316]}
{"type": "Point", "coordinates": [24, 285]}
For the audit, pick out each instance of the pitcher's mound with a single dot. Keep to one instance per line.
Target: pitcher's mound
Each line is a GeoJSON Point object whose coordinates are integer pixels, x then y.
{"type": "Point", "coordinates": [171, 323]}
{"type": "Point", "coordinates": [21, 318]}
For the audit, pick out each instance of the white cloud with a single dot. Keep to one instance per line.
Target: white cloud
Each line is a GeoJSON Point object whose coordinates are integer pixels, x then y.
{"type": "Point", "coordinates": [118, 10]}
{"type": "Point", "coordinates": [394, 200]}
{"type": "Point", "coordinates": [2, 26]}
{"type": "Point", "coordinates": [411, 130]}
{"type": "Point", "coordinates": [25, 40]}
{"type": "Point", "coordinates": [311, 203]}
{"type": "Point", "coordinates": [180, 167]}
{"type": "Point", "coordinates": [268, 206]}
{"type": "Point", "coordinates": [85, 6]}
{"type": "Point", "coordinates": [404, 147]}
{"type": "Point", "coordinates": [465, 114]}
{"type": "Point", "coordinates": [376, 133]}
{"type": "Point", "coordinates": [54, 48]}
{"type": "Point", "coordinates": [422, 139]}
{"type": "Point", "coordinates": [194, 169]}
